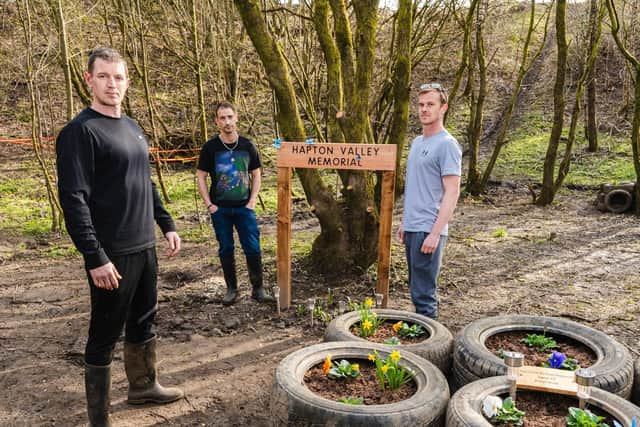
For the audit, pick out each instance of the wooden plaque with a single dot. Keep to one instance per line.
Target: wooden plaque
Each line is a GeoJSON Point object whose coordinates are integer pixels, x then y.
{"type": "Point", "coordinates": [337, 156]}
{"type": "Point", "coordinates": [547, 379]}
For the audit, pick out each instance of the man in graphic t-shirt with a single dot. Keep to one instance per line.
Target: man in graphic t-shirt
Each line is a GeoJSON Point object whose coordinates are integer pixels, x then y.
{"type": "Point", "coordinates": [233, 164]}
{"type": "Point", "coordinates": [432, 187]}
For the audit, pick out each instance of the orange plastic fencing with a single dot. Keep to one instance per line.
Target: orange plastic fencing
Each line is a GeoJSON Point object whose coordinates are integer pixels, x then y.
{"type": "Point", "coordinates": [183, 155]}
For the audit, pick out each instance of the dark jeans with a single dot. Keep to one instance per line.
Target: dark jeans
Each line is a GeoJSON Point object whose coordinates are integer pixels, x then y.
{"type": "Point", "coordinates": [244, 221]}
{"type": "Point", "coordinates": [423, 273]}
{"type": "Point", "coordinates": [132, 306]}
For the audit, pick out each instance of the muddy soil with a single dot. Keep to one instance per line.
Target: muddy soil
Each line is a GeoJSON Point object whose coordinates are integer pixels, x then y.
{"type": "Point", "coordinates": [568, 260]}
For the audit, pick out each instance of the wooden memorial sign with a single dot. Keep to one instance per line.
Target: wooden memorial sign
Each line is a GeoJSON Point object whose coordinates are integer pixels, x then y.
{"type": "Point", "coordinates": [334, 156]}
{"type": "Point", "coordinates": [337, 156]}
{"type": "Point", "coordinates": [547, 379]}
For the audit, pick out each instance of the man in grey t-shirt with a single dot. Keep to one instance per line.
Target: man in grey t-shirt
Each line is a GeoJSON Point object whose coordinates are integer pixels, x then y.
{"type": "Point", "coordinates": [432, 187]}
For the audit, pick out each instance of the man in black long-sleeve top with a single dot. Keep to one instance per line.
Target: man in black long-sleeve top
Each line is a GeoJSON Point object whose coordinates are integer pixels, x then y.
{"type": "Point", "coordinates": [110, 204]}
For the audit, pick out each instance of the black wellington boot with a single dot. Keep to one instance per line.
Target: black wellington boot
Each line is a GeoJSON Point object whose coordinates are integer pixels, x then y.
{"type": "Point", "coordinates": [97, 383]}
{"type": "Point", "coordinates": [229, 271]}
{"type": "Point", "coordinates": [254, 264]}
{"type": "Point", "coordinates": [140, 367]}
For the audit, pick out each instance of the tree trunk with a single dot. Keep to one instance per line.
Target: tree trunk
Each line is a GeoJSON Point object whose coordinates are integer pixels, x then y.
{"type": "Point", "coordinates": [24, 13]}
{"type": "Point", "coordinates": [547, 194]}
{"type": "Point", "coordinates": [77, 78]}
{"type": "Point", "coordinates": [335, 97]}
{"type": "Point", "coordinates": [525, 66]}
{"type": "Point", "coordinates": [635, 126]}
{"type": "Point", "coordinates": [155, 142]}
{"type": "Point", "coordinates": [595, 26]}
{"type": "Point", "coordinates": [401, 83]}
{"type": "Point", "coordinates": [477, 107]}
{"type": "Point", "coordinates": [349, 225]}
{"type": "Point", "coordinates": [466, 52]}
{"type": "Point", "coordinates": [591, 55]}
{"type": "Point", "coordinates": [290, 123]}
{"type": "Point", "coordinates": [202, 109]}
{"type": "Point", "coordinates": [64, 51]}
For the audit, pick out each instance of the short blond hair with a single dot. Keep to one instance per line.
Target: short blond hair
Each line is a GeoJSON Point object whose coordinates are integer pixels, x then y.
{"type": "Point", "coordinates": [435, 87]}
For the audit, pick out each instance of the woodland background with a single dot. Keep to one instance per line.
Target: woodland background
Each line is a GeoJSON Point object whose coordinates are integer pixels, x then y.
{"type": "Point", "coordinates": [340, 71]}
{"type": "Point", "coordinates": [526, 237]}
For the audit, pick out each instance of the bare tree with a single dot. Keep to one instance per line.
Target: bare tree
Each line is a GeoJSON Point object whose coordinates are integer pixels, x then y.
{"type": "Point", "coordinates": [466, 24]}
{"type": "Point", "coordinates": [551, 185]}
{"type": "Point", "coordinates": [477, 99]}
{"type": "Point", "coordinates": [547, 194]}
{"type": "Point", "coordinates": [401, 82]}
{"type": "Point", "coordinates": [228, 47]}
{"type": "Point", "coordinates": [190, 43]}
{"type": "Point", "coordinates": [61, 27]}
{"type": "Point", "coordinates": [595, 28]}
{"type": "Point", "coordinates": [526, 62]}
{"type": "Point", "coordinates": [143, 70]}
{"type": "Point", "coordinates": [634, 63]}
{"type": "Point", "coordinates": [31, 72]}
{"type": "Point", "coordinates": [349, 223]}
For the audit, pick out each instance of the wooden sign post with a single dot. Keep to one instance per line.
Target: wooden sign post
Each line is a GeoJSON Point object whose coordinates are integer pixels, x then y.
{"type": "Point", "coordinates": [334, 156]}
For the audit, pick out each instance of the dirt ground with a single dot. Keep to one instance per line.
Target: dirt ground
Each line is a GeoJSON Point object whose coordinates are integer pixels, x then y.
{"type": "Point", "coordinates": [568, 260]}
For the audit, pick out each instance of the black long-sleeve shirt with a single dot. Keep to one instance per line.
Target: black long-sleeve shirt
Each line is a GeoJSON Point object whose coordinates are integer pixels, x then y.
{"type": "Point", "coordinates": [105, 188]}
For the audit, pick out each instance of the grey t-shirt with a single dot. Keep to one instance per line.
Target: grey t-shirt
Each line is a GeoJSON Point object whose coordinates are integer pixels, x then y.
{"type": "Point", "coordinates": [430, 158]}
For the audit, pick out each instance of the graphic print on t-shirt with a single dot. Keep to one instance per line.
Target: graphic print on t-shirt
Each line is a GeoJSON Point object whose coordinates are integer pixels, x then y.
{"type": "Point", "coordinates": [232, 175]}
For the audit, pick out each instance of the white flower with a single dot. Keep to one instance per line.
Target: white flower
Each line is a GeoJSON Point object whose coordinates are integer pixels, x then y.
{"type": "Point", "coordinates": [491, 405]}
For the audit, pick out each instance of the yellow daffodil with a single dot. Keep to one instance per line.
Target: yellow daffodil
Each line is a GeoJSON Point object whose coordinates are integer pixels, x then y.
{"type": "Point", "coordinates": [397, 326]}
{"type": "Point", "coordinates": [326, 366]}
{"type": "Point", "coordinates": [366, 325]}
{"type": "Point", "coordinates": [368, 302]}
{"type": "Point", "coordinates": [371, 357]}
{"type": "Point", "coordinates": [394, 356]}
{"type": "Point", "coordinates": [384, 368]}
{"type": "Point", "coordinates": [355, 366]}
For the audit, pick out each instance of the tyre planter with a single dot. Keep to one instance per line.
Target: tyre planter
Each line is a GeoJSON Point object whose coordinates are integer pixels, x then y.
{"type": "Point", "coordinates": [618, 201]}
{"type": "Point", "coordinates": [473, 361]}
{"type": "Point", "coordinates": [465, 407]}
{"type": "Point", "coordinates": [436, 348]}
{"type": "Point", "coordinates": [292, 403]}
{"type": "Point", "coordinates": [635, 396]}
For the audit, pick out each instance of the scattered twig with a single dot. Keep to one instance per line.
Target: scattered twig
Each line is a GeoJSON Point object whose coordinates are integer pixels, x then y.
{"type": "Point", "coordinates": [577, 317]}
{"type": "Point", "coordinates": [160, 416]}
{"type": "Point", "coordinates": [186, 398]}
{"type": "Point", "coordinates": [457, 288]}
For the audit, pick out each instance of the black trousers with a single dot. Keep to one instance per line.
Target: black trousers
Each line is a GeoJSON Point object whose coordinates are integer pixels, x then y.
{"type": "Point", "coordinates": [132, 306]}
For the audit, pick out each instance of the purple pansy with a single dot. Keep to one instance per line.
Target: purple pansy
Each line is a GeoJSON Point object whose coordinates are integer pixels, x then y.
{"type": "Point", "coordinates": [557, 359]}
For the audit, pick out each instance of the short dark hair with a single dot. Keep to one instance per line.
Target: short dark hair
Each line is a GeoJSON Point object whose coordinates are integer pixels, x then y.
{"type": "Point", "coordinates": [224, 104]}
{"type": "Point", "coordinates": [105, 53]}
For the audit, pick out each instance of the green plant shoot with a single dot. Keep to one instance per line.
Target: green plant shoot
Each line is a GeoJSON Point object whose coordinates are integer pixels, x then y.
{"type": "Point", "coordinates": [389, 372]}
{"type": "Point", "coordinates": [369, 321]}
{"type": "Point", "coordinates": [541, 342]}
{"type": "Point", "coordinates": [508, 413]}
{"type": "Point", "coordinates": [351, 400]}
{"type": "Point", "coordinates": [584, 418]}
{"type": "Point", "coordinates": [413, 331]}
{"type": "Point", "coordinates": [344, 369]}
